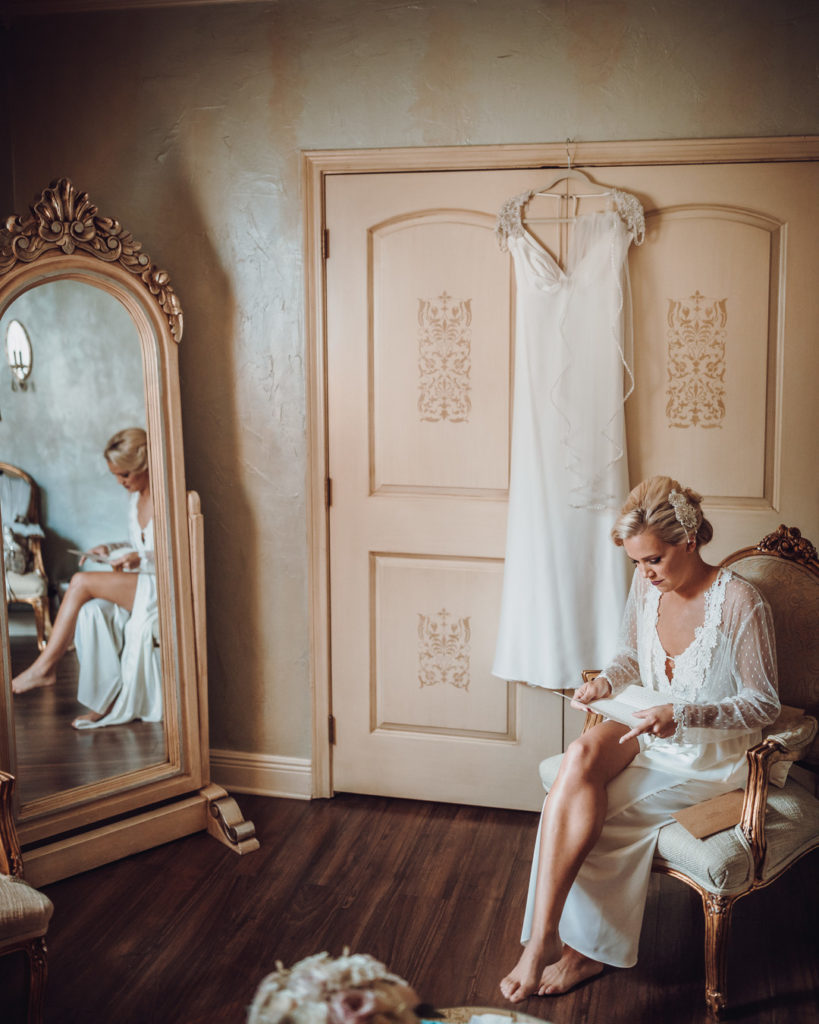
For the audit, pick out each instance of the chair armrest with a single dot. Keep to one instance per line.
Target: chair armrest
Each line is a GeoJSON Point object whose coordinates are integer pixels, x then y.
{"type": "Point", "coordinates": [11, 858]}
{"type": "Point", "coordinates": [787, 743]}
{"type": "Point", "coordinates": [592, 719]}
{"type": "Point", "coordinates": [794, 734]}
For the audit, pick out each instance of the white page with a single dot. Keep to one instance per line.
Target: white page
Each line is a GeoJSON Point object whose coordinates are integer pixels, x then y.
{"type": "Point", "coordinates": [622, 707]}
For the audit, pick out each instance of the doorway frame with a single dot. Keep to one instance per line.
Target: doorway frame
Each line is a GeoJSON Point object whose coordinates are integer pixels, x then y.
{"type": "Point", "coordinates": [317, 166]}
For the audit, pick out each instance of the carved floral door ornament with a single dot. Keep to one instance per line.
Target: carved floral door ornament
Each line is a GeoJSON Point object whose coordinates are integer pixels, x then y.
{"type": "Point", "coordinates": [444, 358]}
{"type": "Point", "coordinates": [443, 650]}
{"type": "Point", "coordinates": [697, 334]}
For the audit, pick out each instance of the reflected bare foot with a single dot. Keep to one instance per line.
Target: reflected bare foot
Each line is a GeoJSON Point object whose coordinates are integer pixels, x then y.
{"type": "Point", "coordinates": [91, 716]}
{"type": "Point", "coordinates": [33, 678]}
{"type": "Point", "coordinates": [523, 980]}
{"type": "Point", "coordinates": [569, 971]}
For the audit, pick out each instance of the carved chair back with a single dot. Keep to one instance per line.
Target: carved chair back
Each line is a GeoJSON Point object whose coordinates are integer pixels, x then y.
{"type": "Point", "coordinates": [785, 569]}
{"type": "Point", "coordinates": [36, 595]}
{"type": "Point", "coordinates": [33, 511]}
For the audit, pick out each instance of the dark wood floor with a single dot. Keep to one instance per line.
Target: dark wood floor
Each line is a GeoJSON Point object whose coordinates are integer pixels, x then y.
{"type": "Point", "coordinates": [51, 756]}
{"type": "Point", "coordinates": [184, 933]}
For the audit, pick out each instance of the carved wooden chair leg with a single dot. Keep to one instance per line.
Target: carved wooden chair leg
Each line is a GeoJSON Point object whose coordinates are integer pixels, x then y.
{"type": "Point", "coordinates": [46, 619]}
{"type": "Point", "coordinates": [37, 971]}
{"type": "Point", "coordinates": [717, 911]}
{"type": "Point", "coordinates": [39, 622]}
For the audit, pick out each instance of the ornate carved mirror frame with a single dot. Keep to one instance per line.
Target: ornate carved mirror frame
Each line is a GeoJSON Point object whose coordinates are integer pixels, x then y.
{"type": "Point", "coordinates": [63, 237]}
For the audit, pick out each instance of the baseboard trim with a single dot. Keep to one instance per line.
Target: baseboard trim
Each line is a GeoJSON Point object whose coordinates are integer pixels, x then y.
{"type": "Point", "coordinates": [262, 774]}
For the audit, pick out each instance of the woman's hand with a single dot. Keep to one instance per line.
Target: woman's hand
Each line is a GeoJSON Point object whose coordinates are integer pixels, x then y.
{"type": "Point", "coordinates": [128, 563]}
{"type": "Point", "coordinates": [594, 689]}
{"type": "Point", "coordinates": [658, 721]}
{"type": "Point", "coordinates": [101, 550]}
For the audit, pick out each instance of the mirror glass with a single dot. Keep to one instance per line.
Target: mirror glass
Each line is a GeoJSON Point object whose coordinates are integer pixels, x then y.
{"type": "Point", "coordinates": [87, 384]}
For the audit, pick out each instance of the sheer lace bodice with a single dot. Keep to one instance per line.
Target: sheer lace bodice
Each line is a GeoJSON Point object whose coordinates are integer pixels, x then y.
{"type": "Point", "coordinates": [724, 684]}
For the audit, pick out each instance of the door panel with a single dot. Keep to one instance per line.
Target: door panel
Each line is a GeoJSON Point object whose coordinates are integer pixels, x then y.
{"type": "Point", "coordinates": [440, 380]}
{"type": "Point", "coordinates": [723, 317]}
{"type": "Point", "coordinates": [705, 399]}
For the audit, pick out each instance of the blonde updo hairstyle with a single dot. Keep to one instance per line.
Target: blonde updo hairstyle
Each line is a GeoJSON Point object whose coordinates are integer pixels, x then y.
{"type": "Point", "coordinates": [649, 508]}
{"type": "Point", "coordinates": [127, 450]}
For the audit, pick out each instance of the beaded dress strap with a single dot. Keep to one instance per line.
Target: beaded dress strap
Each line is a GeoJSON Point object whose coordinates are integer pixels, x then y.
{"type": "Point", "coordinates": [510, 220]}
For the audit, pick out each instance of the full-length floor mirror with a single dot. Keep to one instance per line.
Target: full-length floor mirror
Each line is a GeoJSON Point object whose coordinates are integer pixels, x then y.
{"type": "Point", "coordinates": [90, 328]}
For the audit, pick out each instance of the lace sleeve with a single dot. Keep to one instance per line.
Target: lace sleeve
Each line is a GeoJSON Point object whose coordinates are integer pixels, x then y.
{"type": "Point", "coordinates": [755, 702]}
{"type": "Point", "coordinates": [624, 668]}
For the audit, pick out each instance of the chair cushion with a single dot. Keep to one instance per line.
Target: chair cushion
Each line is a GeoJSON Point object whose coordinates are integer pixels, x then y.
{"type": "Point", "coordinates": [20, 588]}
{"type": "Point", "coordinates": [791, 827]}
{"type": "Point", "coordinates": [24, 912]}
{"type": "Point", "coordinates": [723, 863]}
{"type": "Point", "coordinates": [548, 770]}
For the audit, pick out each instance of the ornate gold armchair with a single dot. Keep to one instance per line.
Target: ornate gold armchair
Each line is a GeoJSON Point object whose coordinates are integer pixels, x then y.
{"type": "Point", "coordinates": [24, 912]}
{"type": "Point", "coordinates": [20, 507]}
{"type": "Point", "coordinates": [778, 825]}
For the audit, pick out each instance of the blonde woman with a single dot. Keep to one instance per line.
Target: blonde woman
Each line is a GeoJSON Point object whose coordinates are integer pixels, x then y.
{"type": "Point", "coordinates": [702, 638]}
{"type": "Point", "coordinates": [112, 616]}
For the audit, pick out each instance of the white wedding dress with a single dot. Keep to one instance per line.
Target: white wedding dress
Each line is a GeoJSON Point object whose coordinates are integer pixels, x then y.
{"type": "Point", "coordinates": [565, 583]}
{"type": "Point", "coordinates": [118, 651]}
{"type": "Point", "coordinates": [723, 688]}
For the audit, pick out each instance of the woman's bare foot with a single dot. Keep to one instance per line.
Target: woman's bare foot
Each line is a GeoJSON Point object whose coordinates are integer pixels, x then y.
{"type": "Point", "coordinates": [91, 716]}
{"type": "Point", "coordinates": [33, 678]}
{"type": "Point", "coordinates": [570, 970]}
{"type": "Point", "coordinates": [523, 980]}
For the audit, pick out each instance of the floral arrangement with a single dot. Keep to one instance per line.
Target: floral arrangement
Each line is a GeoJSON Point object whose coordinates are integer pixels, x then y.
{"type": "Point", "coordinates": [326, 990]}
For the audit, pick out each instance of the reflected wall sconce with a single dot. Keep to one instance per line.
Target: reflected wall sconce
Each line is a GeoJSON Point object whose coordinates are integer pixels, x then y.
{"type": "Point", "coordinates": [19, 355]}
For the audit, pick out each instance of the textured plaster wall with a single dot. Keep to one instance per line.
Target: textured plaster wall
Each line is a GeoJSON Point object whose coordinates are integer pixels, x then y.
{"type": "Point", "coordinates": [86, 383]}
{"type": "Point", "coordinates": [187, 124]}
{"type": "Point", "coordinates": [6, 190]}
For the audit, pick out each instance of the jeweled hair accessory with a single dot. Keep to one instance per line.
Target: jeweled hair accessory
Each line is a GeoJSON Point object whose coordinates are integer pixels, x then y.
{"type": "Point", "coordinates": [684, 512]}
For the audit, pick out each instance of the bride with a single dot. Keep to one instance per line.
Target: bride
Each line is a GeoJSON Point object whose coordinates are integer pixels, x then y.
{"type": "Point", "coordinates": [112, 616]}
{"type": "Point", "coordinates": [702, 638]}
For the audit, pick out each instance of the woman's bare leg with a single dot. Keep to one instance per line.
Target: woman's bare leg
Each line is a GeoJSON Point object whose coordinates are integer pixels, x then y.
{"type": "Point", "coordinates": [573, 817]}
{"type": "Point", "coordinates": [117, 587]}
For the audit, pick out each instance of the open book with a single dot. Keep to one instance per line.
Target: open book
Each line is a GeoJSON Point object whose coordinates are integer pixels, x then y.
{"type": "Point", "coordinates": [622, 707]}
{"type": "Point", "coordinates": [114, 555]}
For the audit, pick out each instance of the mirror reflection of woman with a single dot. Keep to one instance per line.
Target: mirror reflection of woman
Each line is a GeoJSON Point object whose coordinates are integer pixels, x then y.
{"type": "Point", "coordinates": [112, 616]}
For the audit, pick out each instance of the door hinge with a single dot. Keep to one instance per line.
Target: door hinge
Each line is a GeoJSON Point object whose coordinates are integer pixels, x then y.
{"type": "Point", "coordinates": [325, 244]}
{"type": "Point", "coordinates": [328, 487]}
{"type": "Point", "coordinates": [331, 729]}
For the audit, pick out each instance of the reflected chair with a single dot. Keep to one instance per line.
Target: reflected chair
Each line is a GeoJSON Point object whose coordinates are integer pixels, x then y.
{"type": "Point", "coordinates": [20, 509]}
{"type": "Point", "coordinates": [778, 825]}
{"type": "Point", "coordinates": [24, 911]}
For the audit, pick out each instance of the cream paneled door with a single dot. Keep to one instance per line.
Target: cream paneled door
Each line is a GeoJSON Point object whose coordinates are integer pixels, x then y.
{"type": "Point", "coordinates": [420, 322]}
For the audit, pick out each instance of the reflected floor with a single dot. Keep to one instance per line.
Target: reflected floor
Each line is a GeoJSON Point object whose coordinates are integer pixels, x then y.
{"type": "Point", "coordinates": [51, 756]}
